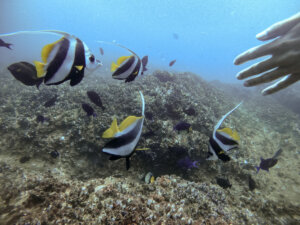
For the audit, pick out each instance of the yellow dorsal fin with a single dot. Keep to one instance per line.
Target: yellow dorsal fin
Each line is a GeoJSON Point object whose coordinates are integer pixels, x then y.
{"type": "Point", "coordinates": [122, 59]}
{"type": "Point", "coordinates": [142, 149]}
{"type": "Point", "coordinates": [113, 67]}
{"type": "Point", "coordinates": [79, 67]}
{"type": "Point", "coordinates": [231, 133]}
{"type": "Point", "coordinates": [152, 179]}
{"type": "Point", "coordinates": [110, 132]}
{"type": "Point", "coordinates": [47, 49]}
{"type": "Point", "coordinates": [39, 69]}
{"type": "Point", "coordinates": [235, 136]}
{"type": "Point", "coordinates": [128, 121]}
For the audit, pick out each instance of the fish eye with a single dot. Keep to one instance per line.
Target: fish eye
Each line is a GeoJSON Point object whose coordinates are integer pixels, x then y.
{"type": "Point", "coordinates": [92, 58]}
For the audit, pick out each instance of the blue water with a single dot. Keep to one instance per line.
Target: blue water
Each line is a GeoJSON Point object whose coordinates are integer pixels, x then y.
{"type": "Point", "coordinates": [210, 33]}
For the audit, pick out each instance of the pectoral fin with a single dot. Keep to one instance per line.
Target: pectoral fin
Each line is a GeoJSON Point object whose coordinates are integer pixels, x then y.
{"type": "Point", "coordinates": [142, 149]}
{"type": "Point", "coordinates": [39, 69]}
{"type": "Point", "coordinates": [79, 67]}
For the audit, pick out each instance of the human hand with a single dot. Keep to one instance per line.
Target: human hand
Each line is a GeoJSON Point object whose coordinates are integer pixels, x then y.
{"type": "Point", "coordinates": [284, 61]}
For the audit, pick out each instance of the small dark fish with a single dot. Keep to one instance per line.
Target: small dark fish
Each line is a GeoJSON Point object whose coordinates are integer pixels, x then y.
{"type": "Point", "coordinates": [190, 111]}
{"type": "Point", "coordinates": [26, 73]}
{"type": "Point", "coordinates": [224, 183]}
{"type": "Point", "coordinates": [149, 115]}
{"type": "Point", "coordinates": [266, 164]}
{"type": "Point", "coordinates": [172, 62]}
{"type": "Point", "coordinates": [88, 109]}
{"type": "Point", "coordinates": [101, 51]}
{"type": "Point", "coordinates": [175, 36]}
{"type": "Point", "coordinates": [51, 102]}
{"type": "Point", "coordinates": [251, 183]}
{"type": "Point", "coordinates": [95, 98]}
{"type": "Point", "coordinates": [54, 154]}
{"type": "Point", "coordinates": [182, 126]}
{"type": "Point", "coordinates": [24, 159]}
{"type": "Point", "coordinates": [144, 64]}
{"type": "Point", "coordinates": [41, 119]}
{"type": "Point", "coordinates": [4, 44]}
{"type": "Point", "coordinates": [187, 163]}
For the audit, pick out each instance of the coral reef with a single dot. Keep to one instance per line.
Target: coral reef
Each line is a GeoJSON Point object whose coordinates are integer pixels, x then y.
{"type": "Point", "coordinates": [81, 186]}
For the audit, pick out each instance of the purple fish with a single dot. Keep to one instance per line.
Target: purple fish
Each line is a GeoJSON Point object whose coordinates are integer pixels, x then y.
{"type": "Point", "coordinates": [144, 64]}
{"type": "Point", "coordinates": [95, 98]}
{"type": "Point", "coordinates": [51, 102]}
{"type": "Point", "coordinates": [187, 163]}
{"type": "Point", "coordinates": [101, 51]}
{"type": "Point", "coordinates": [182, 126]}
{"type": "Point", "coordinates": [41, 119]}
{"type": "Point", "coordinates": [172, 62]}
{"type": "Point", "coordinates": [88, 109]}
{"type": "Point", "coordinates": [4, 44]}
{"type": "Point", "coordinates": [266, 164]}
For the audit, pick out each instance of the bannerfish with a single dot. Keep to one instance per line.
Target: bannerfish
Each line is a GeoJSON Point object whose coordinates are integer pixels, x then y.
{"type": "Point", "coordinates": [88, 109]}
{"type": "Point", "coordinates": [222, 140]}
{"type": "Point", "coordinates": [224, 183]}
{"type": "Point", "coordinates": [51, 102]}
{"type": "Point", "coordinates": [26, 73]}
{"type": "Point", "coordinates": [172, 62]}
{"type": "Point", "coordinates": [4, 44]}
{"type": "Point", "coordinates": [266, 164]}
{"type": "Point", "coordinates": [149, 178]}
{"type": "Point", "coordinates": [144, 64]}
{"type": "Point", "coordinates": [101, 51]}
{"type": "Point", "coordinates": [64, 59]}
{"type": "Point", "coordinates": [124, 137]}
{"type": "Point", "coordinates": [128, 67]}
{"type": "Point", "coordinates": [95, 98]}
{"type": "Point", "coordinates": [187, 163]}
{"type": "Point", "coordinates": [182, 126]}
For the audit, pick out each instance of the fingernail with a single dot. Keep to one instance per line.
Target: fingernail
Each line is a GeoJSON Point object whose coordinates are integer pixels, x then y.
{"type": "Point", "coordinates": [246, 84]}
{"type": "Point", "coordinates": [261, 35]}
{"type": "Point", "coordinates": [238, 76]}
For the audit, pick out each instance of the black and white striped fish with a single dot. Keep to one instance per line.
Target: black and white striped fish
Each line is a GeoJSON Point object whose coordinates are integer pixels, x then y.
{"type": "Point", "coordinates": [222, 140]}
{"type": "Point", "coordinates": [65, 59]}
{"type": "Point", "coordinates": [125, 137]}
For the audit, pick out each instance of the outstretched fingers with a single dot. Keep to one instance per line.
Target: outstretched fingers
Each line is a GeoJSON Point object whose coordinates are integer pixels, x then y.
{"type": "Point", "coordinates": [257, 68]}
{"type": "Point", "coordinates": [266, 77]}
{"type": "Point", "coordinates": [254, 53]}
{"type": "Point", "coordinates": [281, 84]}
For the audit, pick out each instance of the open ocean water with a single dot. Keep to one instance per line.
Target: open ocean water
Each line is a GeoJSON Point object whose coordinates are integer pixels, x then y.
{"type": "Point", "coordinates": [129, 112]}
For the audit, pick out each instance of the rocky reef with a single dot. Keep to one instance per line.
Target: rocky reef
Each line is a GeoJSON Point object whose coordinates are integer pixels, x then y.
{"type": "Point", "coordinates": [81, 186]}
